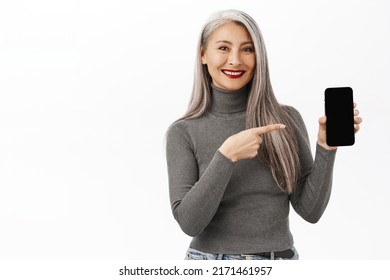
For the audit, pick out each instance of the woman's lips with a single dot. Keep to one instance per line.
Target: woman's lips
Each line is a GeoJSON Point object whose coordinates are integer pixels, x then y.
{"type": "Point", "coordinates": [233, 74]}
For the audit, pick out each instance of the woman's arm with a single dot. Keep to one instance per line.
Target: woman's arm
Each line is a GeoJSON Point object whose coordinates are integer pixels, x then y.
{"type": "Point", "coordinates": [314, 187]}
{"type": "Point", "coordinates": [194, 200]}
{"type": "Point", "coordinates": [313, 190]}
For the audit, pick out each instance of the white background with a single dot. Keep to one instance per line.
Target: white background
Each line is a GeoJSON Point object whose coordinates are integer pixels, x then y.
{"type": "Point", "coordinates": [88, 89]}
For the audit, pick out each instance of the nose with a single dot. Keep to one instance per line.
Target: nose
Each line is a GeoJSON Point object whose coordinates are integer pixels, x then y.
{"type": "Point", "coordinates": [234, 58]}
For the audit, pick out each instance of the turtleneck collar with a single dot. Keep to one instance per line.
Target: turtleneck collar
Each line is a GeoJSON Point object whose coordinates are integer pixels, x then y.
{"type": "Point", "coordinates": [228, 102]}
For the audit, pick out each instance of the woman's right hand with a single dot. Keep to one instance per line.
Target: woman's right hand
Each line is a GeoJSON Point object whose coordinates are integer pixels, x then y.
{"type": "Point", "coordinates": [246, 143]}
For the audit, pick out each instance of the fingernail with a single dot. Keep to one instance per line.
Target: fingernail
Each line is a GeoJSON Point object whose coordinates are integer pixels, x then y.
{"type": "Point", "coordinates": [282, 126]}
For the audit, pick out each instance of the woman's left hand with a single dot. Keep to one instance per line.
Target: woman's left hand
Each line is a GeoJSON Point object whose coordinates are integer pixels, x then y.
{"type": "Point", "coordinates": [322, 129]}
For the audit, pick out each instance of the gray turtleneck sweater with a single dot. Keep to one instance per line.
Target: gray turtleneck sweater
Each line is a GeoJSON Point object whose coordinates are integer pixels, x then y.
{"type": "Point", "coordinates": [237, 208]}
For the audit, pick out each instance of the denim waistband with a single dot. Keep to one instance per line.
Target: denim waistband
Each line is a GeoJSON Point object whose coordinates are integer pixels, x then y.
{"type": "Point", "coordinates": [289, 254]}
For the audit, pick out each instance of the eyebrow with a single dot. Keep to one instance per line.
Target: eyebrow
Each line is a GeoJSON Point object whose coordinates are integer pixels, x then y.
{"type": "Point", "coordinates": [228, 42]}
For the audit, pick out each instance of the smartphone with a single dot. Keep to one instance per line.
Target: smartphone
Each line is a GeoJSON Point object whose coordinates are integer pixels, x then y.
{"type": "Point", "coordinates": [340, 129]}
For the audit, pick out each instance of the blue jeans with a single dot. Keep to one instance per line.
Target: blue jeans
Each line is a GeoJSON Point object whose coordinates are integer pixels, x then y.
{"type": "Point", "coordinates": [193, 254]}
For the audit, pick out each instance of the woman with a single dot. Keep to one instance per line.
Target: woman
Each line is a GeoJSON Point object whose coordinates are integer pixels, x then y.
{"type": "Point", "coordinates": [238, 158]}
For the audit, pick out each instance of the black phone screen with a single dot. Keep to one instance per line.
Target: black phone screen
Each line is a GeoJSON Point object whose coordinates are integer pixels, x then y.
{"type": "Point", "coordinates": [339, 116]}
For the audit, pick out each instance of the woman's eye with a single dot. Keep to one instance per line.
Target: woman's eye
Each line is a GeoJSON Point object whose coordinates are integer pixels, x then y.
{"type": "Point", "coordinates": [223, 48]}
{"type": "Point", "coordinates": [248, 49]}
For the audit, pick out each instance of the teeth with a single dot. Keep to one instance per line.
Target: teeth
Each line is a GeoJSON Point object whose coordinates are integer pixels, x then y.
{"type": "Point", "coordinates": [233, 73]}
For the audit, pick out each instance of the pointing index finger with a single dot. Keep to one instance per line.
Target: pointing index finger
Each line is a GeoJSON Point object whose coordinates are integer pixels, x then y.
{"type": "Point", "coordinates": [269, 128]}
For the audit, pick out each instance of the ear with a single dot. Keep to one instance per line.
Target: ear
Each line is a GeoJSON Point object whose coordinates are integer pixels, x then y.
{"type": "Point", "coordinates": [203, 55]}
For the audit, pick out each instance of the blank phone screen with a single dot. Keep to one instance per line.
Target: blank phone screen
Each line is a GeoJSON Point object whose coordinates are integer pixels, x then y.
{"type": "Point", "coordinates": [339, 116]}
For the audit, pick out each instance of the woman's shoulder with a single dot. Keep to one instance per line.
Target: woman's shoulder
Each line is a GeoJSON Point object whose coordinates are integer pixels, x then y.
{"type": "Point", "coordinates": [293, 113]}
{"type": "Point", "coordinates": [296, 120]}
{"type": "Point", "coordinates": [184, 124]}
{"type": "Point", "coordinates": [178, 126]}
{"type": "Point", "coordinates": [290, 109]}
{"type": "Point", "coordinates": [188, 127]}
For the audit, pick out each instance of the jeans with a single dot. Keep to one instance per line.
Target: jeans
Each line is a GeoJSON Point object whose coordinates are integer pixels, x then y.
{"type": "Point", "coordinates": [193, 254]}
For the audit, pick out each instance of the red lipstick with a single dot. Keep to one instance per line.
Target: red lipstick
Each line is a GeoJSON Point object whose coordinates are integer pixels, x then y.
{"type": "Point", "coordinates": [233, 74]}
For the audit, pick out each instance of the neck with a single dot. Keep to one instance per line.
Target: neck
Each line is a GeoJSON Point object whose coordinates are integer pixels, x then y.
{"type": "Point", "coordinates": [228, 102]}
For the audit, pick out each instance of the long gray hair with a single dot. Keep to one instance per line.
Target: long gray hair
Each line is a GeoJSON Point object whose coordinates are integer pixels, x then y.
{"type": "Point", "coordinates": [278, 150]}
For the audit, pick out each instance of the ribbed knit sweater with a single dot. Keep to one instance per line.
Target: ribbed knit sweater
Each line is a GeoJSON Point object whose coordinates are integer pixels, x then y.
{"type": "Point", "coordinates": [237, 208]}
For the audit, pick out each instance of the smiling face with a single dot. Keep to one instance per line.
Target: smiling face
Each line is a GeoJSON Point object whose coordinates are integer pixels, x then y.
{"type": "Point", "coordinates": [230, 56]}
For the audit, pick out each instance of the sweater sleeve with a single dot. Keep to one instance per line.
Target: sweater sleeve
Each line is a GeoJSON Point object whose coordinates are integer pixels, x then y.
{"type": "Point", "coordinates": [194, 200]}
{"type": "Point", "coordinates": [312, 193]}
